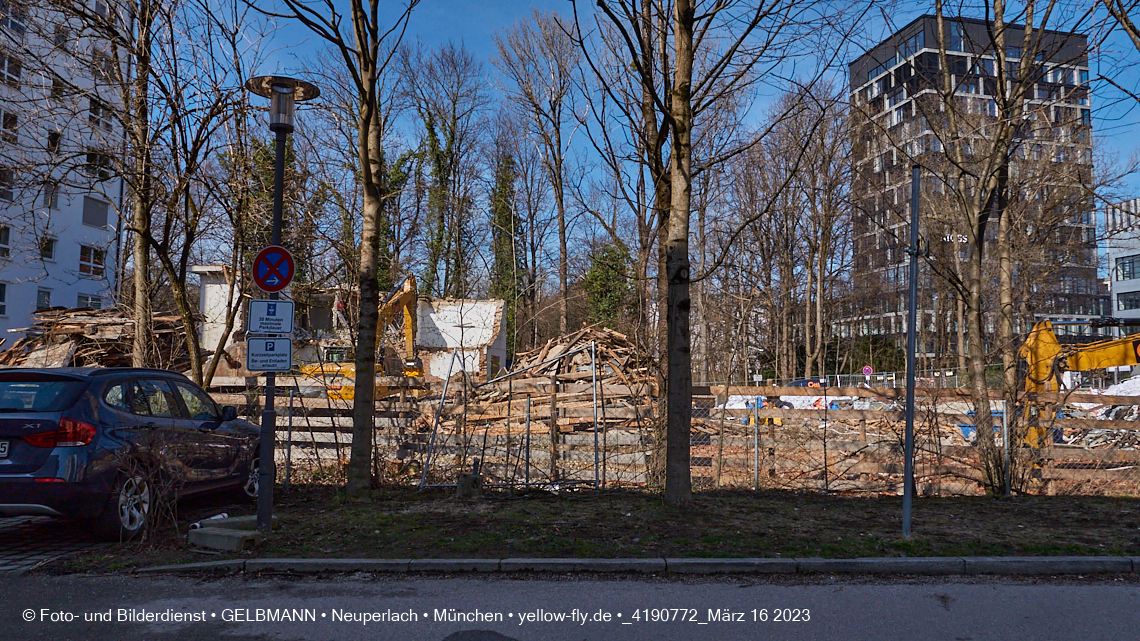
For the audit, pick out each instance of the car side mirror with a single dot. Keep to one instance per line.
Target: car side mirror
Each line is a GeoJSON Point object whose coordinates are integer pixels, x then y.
{"type": "Point", "coordinates": [229, 413]}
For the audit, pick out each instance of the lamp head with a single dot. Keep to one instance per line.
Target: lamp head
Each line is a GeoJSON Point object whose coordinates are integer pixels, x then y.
{"type": "Point", "coordinates": [283, 94]}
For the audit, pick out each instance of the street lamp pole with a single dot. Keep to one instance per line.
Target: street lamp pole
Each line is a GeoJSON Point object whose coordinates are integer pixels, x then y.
{"type": "Point", "coordinates": [911, 334]}
{"type": "Point", "coordinates": [283, 94]}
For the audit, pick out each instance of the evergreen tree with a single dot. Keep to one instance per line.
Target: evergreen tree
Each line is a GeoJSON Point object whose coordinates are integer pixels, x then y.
{"type": "Point", "coordinates": [506, 252]}
{"type": "Point", "coordinates": [607, 285]}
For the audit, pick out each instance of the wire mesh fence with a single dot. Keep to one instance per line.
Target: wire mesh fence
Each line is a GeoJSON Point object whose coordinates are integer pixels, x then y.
{"type": "Point", "coordinates": [577, 424]}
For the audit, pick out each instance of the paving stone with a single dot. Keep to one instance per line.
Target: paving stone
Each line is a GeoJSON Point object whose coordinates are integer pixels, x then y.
{"type": "Point", "coordinates": [884, 565]}
{"type": "Point", "coordinates": [1047, 564]}
{"type": "Point", "coordinates": [26, 541]}
{"type": "Point", "coordinates": [583, 565]}
{"type": "Point", "coordinates": [735, 565]}
{"type": "Point", "coordinates": [310, 566]}
{"type": "Point", "coordinates": [454, 565]}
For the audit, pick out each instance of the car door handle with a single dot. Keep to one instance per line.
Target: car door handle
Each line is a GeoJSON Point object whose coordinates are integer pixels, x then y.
{"type": "Point", "coordinates": [151, 424]}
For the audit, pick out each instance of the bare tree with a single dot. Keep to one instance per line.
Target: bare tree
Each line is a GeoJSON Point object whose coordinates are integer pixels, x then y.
{"type": "Point", "coordinates": [366, 50]}
{"type": "Point", "coordinates": [708, 52]}
{"type": "Point", "coordinates": [448, 91]}
{"type": "Point", "coordinates": [539, 58]}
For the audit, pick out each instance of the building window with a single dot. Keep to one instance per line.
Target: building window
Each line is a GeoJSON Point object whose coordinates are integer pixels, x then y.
{"type": "Point", "coordinates": [10, 69]}
{"type": "Point", "coordinates": [1128, 267]}
{"type": "Point", "coordinates": [9, 123]}
{"type": "Point", "coordinates": [57, 88]}
{"type": "Point", "coordinates": [94, 212]}
{"type": "Point", "coordinates": [1128, 301]}
{"type": "Point", "coordinates": [98, 165]}
{"type": "Point", "coordinates": [62, 37]}
{"type": "Point", "coordinates": [51, 195]}
{"type": "Point", "coordinates": [43, 299]}
{"type": "Point", "coordinates": [54, 139]}
{"type": "Point", "coordinates": [103, 65]}
{"type": "Point", "coordinates": [5, 241]}
{"type": "Point", "coordinates": [91, 260]}
{"type": "Point", "coordinates": [47, 248]}
{"type": "Point", "coordinates": [94, 302]}
{"type": "Point", "coordinates": [99, 115]}
{"type": "Point", "coordinates": [108, 10]}
{"type": "Point", "coordinates": [3, 299]}
{"type": "Point", "coordinates": [13, 18]}
{"type": "Point", "coordinates": [955, 37]}
{"type": "Point", "coordinates": [7, 184]}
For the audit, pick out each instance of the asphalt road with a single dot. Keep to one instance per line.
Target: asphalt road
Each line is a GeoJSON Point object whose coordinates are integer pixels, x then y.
{"type": "Point", "coordinates": [825, 607]}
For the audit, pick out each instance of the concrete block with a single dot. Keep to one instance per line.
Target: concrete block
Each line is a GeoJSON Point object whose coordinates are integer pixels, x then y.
{"type": "Point", "coordinates": [734, 565]}
{"type": "Point", "coordinates": [884, 565]}
{"type": "Point", "coordinates": [312, 566]}
{"type": "Point", "coordinates": [454, 565]}
{"type": "Point", "coordinates": [224, 567]}
{"type": "Point", "coordinates": [583, 565]}
{"type": "Point", "coordinates": [235, 522]}
{"type": "Point", "coordinates": [1047, 564]}
{"type": "Point", "coordinates": [215, 538]}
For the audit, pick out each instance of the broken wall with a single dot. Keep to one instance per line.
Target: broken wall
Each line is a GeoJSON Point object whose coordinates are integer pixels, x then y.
{"type": "Point", "coordinates": [473, 328]}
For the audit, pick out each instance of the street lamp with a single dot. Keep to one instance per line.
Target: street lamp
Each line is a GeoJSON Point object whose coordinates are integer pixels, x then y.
{"type": "Point", "coordinates": [283, 94]}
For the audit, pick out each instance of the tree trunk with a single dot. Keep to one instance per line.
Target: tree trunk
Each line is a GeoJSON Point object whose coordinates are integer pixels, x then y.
{"type": "Point", "coordinates": [140, 189]}
{"type": "Point", "coordinates": [809, 355]}
{"type": "Point", "coordinates": [364, 393]}
{"type": "Point", "coordinates": [678, 482]}
{"type": "Point", "coordinates": [976, 352]}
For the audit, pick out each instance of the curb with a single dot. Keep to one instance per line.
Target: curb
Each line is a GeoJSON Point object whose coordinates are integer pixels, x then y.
{"type": "Point", "coordinates": [1001, 565]}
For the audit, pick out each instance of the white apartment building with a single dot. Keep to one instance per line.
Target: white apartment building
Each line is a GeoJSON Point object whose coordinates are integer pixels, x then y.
{"type": "Point", "coordinates": [60, 203]}
{"type": "Point", "coordinates": [1122, 247]}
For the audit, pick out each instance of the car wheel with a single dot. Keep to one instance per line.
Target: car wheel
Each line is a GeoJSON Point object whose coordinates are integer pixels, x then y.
{"type": "Point", "coordinates": [129, 508]}
{"type": "Point", "coordinates": [249, 487]}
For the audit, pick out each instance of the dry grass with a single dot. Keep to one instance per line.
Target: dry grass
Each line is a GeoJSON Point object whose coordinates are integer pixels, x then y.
{"type": "Point", "coordinates": [320, 521]}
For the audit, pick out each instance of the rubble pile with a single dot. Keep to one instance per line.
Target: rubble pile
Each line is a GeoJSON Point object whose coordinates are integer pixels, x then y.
{"type": "Point", "coordinates": [87, 337]}
{"type": "Point", "coordinates": [565, 383]}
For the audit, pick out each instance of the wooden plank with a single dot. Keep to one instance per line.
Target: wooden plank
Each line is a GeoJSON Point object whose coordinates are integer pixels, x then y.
{"type": "Point", "coordinates": [944, 393]}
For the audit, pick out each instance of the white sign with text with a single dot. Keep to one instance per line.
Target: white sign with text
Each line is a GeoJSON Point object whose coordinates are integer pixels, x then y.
{"type": "Point", "coordinates": [268, 354]}
{"type": "Point", "coordinates": [271, 317]}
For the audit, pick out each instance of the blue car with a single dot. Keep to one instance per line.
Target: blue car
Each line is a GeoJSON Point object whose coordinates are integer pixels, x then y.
{"type": "Point", "coordinates": [106, 444]}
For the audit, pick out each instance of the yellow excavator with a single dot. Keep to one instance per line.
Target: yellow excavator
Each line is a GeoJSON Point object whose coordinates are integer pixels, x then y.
{"type": "Point", "coordinates": [1048, 359]}
{"type": "Point", "coordinates": [393, 371]}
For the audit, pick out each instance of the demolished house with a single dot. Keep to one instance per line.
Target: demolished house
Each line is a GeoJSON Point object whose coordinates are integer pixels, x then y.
{"type": "Point", "coordinates": [471, 329]}
{"type": "Point", "coordinates": [87, 337]}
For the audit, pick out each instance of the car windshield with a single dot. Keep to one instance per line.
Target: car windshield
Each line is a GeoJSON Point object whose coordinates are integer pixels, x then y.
{"type": "Point", "coordinates": [37, 393]}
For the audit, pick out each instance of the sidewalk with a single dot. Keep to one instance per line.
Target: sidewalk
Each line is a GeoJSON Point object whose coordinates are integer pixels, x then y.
{"type": "Point", "coordinates": [1004, 565]}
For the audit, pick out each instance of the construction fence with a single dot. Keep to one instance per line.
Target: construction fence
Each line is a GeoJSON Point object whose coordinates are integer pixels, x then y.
{"type": "Point", "coordinates": [579, 433]}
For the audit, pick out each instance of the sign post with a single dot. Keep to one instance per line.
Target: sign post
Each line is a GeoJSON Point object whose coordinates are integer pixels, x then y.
{"type": "Point", "coordinates": [273, 269]}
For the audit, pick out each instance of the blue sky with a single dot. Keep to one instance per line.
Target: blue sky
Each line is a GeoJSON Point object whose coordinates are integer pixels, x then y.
{"type": "Point", "coordinates": [474, 23]}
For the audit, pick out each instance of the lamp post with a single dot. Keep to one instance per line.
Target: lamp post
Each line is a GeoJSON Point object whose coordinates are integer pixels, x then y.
{"type": "Point", "coordinates": [283, 94]}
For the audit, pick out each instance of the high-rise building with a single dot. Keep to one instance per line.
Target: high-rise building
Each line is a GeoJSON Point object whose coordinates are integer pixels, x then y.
{"type": "Point", "coordinates": [1122, 249]}
{"type": "Point", "coordinates": [59, 197]}
{"type": "Point", "coordinates": [898, 120]}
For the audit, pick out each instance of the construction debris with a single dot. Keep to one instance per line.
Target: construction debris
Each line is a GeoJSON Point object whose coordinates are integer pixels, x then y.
{"type": "Point", "coordinates": [558, 376]}
{"type": "Point", "coordinates": [87, 337]}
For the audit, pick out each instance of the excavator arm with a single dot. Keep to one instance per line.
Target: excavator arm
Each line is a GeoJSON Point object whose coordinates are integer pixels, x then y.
{"type": "Point", "coordinates": [1048, 359]}
{"type": "Point", "coordinates": [403, 300]}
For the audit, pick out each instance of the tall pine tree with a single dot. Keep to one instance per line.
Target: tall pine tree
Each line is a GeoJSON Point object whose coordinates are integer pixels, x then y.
{"type": "Point", "coordinates": [506, 234]}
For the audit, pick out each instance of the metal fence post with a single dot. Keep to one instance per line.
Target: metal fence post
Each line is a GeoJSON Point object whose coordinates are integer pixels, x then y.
{"type": "Point", "coordinates": [594, 367]}
{"type": "Point", "coordinates": [756, 445]}
{"type": "Point", "coordinates": [289, 443]}
{"type": "Point", "coordinates": [1005, 442]}
{"type": "Point", "coordinates": [527, 476]}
